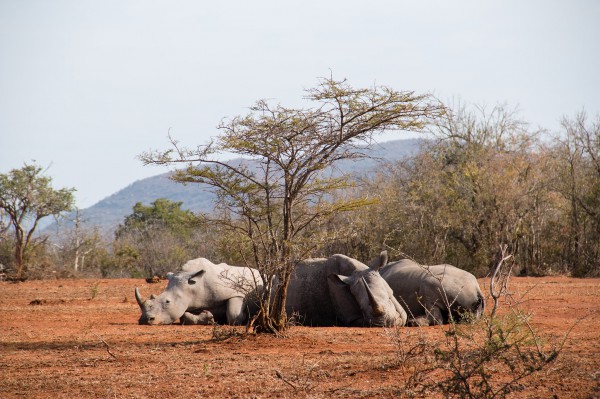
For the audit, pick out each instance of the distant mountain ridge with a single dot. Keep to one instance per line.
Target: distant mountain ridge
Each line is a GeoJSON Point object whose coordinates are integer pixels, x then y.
{"type": "Point", "coordinates": [108, 213]}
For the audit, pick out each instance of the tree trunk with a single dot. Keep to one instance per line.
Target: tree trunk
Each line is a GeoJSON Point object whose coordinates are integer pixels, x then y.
{"type": "Point", "coordinates": [19, 249]}
{"type": "Point", "coordinates": [19, 258]}
{"type": "Point", "coordinates": [279, 315]}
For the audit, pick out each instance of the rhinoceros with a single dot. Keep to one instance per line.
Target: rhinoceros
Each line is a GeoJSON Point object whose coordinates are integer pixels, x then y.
{"type": "Point", "coordinates": [341, 291]}
{"type": "Point", "coordinates": [225, 291]}
{"type": "Point", "coordinates": [433, 294]}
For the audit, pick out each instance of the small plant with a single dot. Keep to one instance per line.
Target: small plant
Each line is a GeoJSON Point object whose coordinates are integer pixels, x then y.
{"type": "Point", "coordinates": [491, 357]}
{"type": "Point", "coordinates": [306, 380]}
{"type": "Point", "coordinates": [223, 333]}
{"type": "Point", "coordinates": [94, 289]}
{"type": "Point", "coordinates": [414, 359]}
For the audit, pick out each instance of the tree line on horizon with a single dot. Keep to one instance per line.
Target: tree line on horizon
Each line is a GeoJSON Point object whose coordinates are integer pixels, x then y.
{"type": "Point", "coordinates": [483, 180]}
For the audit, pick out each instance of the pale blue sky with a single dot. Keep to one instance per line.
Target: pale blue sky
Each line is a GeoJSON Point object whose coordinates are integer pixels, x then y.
{"type": "Point", "coordinates": [86, 86]}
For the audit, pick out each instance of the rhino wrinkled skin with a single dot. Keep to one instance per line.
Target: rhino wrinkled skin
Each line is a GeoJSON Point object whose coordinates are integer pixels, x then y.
{"type": "Point", "coordinates": [223, 290]}
{"type": "Point", "coordinates": [341, 291]}
{"type": "Point", "coordinates": [431, 294]}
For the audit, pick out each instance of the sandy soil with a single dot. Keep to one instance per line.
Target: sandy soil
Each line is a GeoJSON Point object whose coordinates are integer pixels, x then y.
{"type": "Point", "coordinates": [80, 339]}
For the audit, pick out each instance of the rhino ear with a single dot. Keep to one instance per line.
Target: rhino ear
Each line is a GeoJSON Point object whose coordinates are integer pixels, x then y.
{"type": "Point", "coordinates": [339, 279]}
{"type": "Point", "coordinates": [346, 265]}
{"type": "Point", "coordinates": [347, 310]}
{"type": "Point", "coordinates": [191, 280]}
{"type": "Point", "coordinates": [379, 261]}
{"type": "Point", "coordinates": [170, 275]}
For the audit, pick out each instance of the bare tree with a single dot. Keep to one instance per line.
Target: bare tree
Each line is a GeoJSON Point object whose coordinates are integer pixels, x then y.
{"type": "Point", "coordinates": [273, 196]}
{"type": "Point", "coordinates": [76, 240]}
{"type": "Point", "coordinates": [499, 278]}
{"type": "Point", "coordinates": [578, 181]}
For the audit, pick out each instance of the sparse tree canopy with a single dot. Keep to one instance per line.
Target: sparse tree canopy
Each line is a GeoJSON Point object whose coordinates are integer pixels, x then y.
{"type": "Point", "coordinates": [26, 196]}
{"type": "Point", "coordinates": [162, 213]}
{"type": "Point", "coordinates": [274, 197]}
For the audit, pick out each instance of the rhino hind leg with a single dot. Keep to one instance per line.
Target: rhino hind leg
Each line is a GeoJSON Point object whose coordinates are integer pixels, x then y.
{"type": "Point", "coordinates": [235, 310]}
{"type": "Point", "coordinates": [432, 317]}
{"type": "Point", "coordinates": [421, 321]}
{"type": "Point", "coordinates": [436, 316]}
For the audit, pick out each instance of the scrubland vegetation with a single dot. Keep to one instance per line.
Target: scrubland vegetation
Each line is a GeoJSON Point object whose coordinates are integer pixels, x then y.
{"type": "Point", "coordinates": [484, 187]}
{"type": "Point", "coordinates": [481, 179]}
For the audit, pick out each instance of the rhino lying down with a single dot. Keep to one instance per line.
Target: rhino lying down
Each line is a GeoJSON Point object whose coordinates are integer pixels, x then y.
{"type": "Point", "coordinates": [322, 292]}
{"type": "Point", "coordinates": [341, 291]}
{"type": "Point", "coordinates": [202, 293]}
{"type": "Point", "coordinates": [431, 294]}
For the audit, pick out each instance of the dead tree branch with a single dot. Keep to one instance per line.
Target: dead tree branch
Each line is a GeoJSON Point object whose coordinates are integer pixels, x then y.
{"type": "Point", "coordinates": [499, 279]}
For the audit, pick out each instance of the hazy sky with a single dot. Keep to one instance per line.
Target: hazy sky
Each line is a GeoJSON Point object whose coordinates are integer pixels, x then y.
{"type": "Point", "coordinates": [86, 86]}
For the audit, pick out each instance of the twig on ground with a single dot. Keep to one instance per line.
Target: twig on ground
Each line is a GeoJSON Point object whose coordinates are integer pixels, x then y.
{"type": "Point", "coordinates": [106, 346]}
{"type": "Point", "coordinates": [282, 378]}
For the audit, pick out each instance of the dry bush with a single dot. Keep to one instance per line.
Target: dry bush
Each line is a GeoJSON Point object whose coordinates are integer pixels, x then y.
{"type": "Point", "coordinates": [485, 358]}
{"type": "Point", "coordinates": [306, 379]}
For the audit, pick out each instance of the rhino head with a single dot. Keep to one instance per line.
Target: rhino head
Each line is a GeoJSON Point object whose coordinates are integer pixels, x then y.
{"type": "Point", "coordinates": [172, 303]}
{"type": "Point", "coordinates": [365, 299]}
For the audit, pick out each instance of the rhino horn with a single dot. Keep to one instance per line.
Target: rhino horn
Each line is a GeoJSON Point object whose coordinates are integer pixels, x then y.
{"type": "Point", "coordinates": [376, 307]}
{"type": "Point", "coordinates": [138, 297]}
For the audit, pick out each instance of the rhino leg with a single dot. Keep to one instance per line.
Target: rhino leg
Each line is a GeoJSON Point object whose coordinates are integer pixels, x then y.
{"type": "Point", "coordinates": [235, 311]}
{"type": "Point", "coordinates": [204, 318]}
{"type": "Point", "coordinates": [432, 317]}
{"type": "Point", "coordinates": [435, 316]}
{"type": "Point", "coordinates": [421, 321]}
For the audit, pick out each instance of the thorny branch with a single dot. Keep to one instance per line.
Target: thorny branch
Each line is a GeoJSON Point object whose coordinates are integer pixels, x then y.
{"type": "Point", "coordinates": [500, 276]}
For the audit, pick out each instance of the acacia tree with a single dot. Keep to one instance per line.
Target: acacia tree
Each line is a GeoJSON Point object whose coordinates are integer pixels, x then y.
{"type": "Point", "coordinates": [26, 196]}
{"type": "Point", "coordinates": [158, 236]}
{"type": "Point", "coordinates": [279, 190]}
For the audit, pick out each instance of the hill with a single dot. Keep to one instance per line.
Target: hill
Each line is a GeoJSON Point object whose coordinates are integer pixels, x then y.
{"type": "Point", "coordinates": [109, 212]}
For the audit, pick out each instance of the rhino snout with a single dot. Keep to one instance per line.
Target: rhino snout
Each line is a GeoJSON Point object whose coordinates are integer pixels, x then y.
{"type": "Point", "coordinates": [146, 320]}
{"type": "Point", "coordinates": [149, 321]}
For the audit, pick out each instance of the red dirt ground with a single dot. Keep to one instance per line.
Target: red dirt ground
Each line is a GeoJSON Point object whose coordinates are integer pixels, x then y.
{"type": "Point", "coordinates": [80, 339]}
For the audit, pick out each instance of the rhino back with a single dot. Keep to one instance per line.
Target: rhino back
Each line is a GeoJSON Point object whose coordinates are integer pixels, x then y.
{"type": "Point", "coordinates": [409, 281]}
{"type": "Point", "coordinates": [219, 283]}
{"type": "Point", "coordinates": [308, 294]}
{"type": "Point", "coordinates": [415, 284]}
{"type": "Point", "coordinates": [344, 265]}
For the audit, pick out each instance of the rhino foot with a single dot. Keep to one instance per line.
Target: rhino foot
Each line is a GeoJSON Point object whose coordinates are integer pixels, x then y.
{"type": "Point", "coordinates": [422, 321]}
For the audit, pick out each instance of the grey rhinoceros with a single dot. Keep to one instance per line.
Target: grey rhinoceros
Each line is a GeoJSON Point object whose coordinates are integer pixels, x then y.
{"type": "Point", "coordinates": [431, 294]}
{"type": "Point", "coordinates": [202, 292]}
{"type": "Point", "coordinates": [341, 291]}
